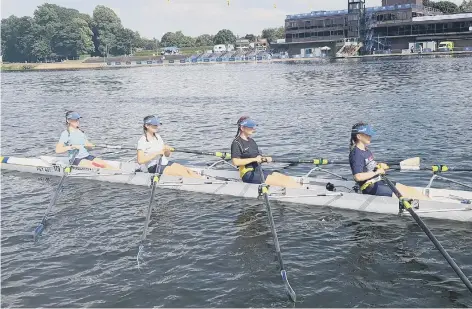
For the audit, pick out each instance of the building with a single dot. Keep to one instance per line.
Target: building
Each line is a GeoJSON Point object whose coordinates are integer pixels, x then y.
{"type": "Point", "coordinates": [388, 28]}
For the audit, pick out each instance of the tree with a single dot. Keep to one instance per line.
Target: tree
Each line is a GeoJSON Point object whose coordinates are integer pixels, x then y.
{"type": "Point", "coordinates": [148, 44]}
{"type": "Point", "coordinates": [61, 33]}
{"type": "Point", "coordinates": [106, 27]}
{"type": "Point", "coordinates": [224, 36]}
{"type": "Point", "coordinates": [250, 37]}
{"type": "Point", "coordinates": [466, 6]}
{"type": "Point", "coordinates": [177, 39]}
{"type": "Point", "coordinates": [17, 38]}
{"type": "Point", "coordinates": [124, 40]}
{"type": "Point", "coordinates": [446, 7]}
{"type": "Point", "coordinates": [56, 33]}
{"type": "Point", "coordinates": [205, 40]}
{"type": "Point", "coordinates": [272, 34]}
{"type": "Point", "coordinates": [169, 39]}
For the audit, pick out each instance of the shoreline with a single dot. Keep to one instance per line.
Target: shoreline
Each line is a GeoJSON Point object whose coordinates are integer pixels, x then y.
{"type": "Point", "coordinates": [75, 65]}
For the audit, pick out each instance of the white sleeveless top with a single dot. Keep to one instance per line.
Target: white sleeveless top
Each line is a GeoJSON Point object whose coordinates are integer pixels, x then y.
{"type": "Point", "coordinates": [153, 145]}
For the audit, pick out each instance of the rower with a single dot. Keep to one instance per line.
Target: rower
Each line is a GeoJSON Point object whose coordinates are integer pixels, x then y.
{"type": "Point", "coordinates": [151, 149]}
{"type": "Point", "coordinates": [246, 156]}
{"type": "Point", "coordinates": [367, 171]}
{"type": "Point", "coordinates": [73, 138]}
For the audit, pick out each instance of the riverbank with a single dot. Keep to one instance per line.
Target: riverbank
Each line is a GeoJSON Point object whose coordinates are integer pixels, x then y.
{"type": "Point", "coordinates": [68, 65]}
{"type": "Point", "coordinates": [410, 55]}
{"type": "Point", "coordinates": [137, 62]}
{"type": "Point", "coordinates": [78, 65]}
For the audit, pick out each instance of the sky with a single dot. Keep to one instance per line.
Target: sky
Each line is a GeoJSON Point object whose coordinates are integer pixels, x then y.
{"type": "Point", "coordinates": [153, 18]}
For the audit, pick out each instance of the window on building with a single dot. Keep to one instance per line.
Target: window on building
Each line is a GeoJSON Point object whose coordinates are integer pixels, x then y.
{"type": "Point", "coordinates": [430, 28]}
{"type": "Point", "coordinates": [318, 23]}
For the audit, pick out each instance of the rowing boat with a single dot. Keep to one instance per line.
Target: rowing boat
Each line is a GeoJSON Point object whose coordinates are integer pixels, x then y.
{"type": "Point", "coordinates": [439, 203]}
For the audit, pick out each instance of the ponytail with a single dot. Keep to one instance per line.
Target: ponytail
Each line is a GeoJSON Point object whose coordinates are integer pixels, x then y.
{"type": "Point", "coordinates": [354, 140]}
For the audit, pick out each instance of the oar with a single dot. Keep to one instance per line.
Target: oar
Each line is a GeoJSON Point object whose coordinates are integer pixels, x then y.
{"type": "Point", "coordinates": [39, 229]}
{"type": "Point", "coordinates": [444, 168]}
{"type": "Point", "coordinates": [155, 180]}
{"type": "Point", "coordinates": [413, 164]}
{"type": "Point", "coordinates": [318, 161]}
{"type": "Point", "coordinates": [264, 190]}
{"type": "Point", "coordinates": [222, 155]}
{"type": "Point", "coordinates": [115, 147]}
{"type": "Point", "coordinates": [407, 205]}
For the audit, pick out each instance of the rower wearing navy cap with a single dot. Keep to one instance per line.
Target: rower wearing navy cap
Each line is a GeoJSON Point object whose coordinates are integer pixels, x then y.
{"type": "Point", "coordinates": [73, 138]}
{"type": "Point", "coordinates": [367, 171]}
{"type": "Point", "coordinates": [152, 152]}
{"type": "Point", "coordinates": [246, 156]}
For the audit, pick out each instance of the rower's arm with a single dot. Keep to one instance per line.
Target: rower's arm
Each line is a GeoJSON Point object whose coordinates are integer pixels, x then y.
{"type": "Point", "coordinates": [243, 162]}
{"type": "Point", "coordinates": [365, 176]}
{"type": "Point", "coordinates": [143, 158]}
{"type": "Point", "coordinates": [88, 145]}
{"type": "Point", "coordinates": [61, 144]}
{"type": "Point", "coordinates": [61, 148]}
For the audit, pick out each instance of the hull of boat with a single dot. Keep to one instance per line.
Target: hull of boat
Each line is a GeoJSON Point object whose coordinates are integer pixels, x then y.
{"type": "Point", "coordinates": [444, 204]}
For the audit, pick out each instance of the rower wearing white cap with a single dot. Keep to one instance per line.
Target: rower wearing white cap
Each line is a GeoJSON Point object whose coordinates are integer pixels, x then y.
{"type": "Point", "coordinates": [246, 156]}
{"type": "Point", "coordinates": [74, 139]}
{"type": "Point", "coordinates": [152, 152]}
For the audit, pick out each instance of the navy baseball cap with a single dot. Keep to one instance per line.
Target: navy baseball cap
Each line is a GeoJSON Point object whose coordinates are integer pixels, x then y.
{"type": "Point", "coordinates": [365, 129]}
{"type": "Point", "coordinates": [152, 120]}
{"type": "Point", "coordinates": [73, 116]}
{"type": "Point", "coordinates": [248, 123]}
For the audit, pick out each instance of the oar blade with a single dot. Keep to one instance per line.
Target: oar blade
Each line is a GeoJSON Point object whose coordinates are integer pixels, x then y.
{"type": "Point", "coordinates": [290, 292]}
{"type": "Point", "coordinates": [37, 231]}
{"type": "Point", "coordinates": [411, 164]}
{"type": "Point", "coordinates": [139, 257]}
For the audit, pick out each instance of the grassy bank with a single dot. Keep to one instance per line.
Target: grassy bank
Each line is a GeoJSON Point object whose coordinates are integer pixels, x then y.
{"type": "Point", "coordinates": [17, 66]}
{"type": "Point", "coordinates": [68, 65]}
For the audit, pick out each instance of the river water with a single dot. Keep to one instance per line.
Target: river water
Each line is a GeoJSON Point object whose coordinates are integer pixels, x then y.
{"type": "Point", "coordinates": [217, 251]}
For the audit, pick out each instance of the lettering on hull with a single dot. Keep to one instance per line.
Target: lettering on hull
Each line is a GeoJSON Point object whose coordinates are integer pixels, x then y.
{"type": "Point", "coordinates": [44, 169]}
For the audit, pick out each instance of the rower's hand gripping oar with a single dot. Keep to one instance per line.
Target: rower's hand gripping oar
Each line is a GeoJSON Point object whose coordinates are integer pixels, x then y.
{"type": "Point", "coordinates": [264, 192]}
{"type": "Point", "coordinates": [155, 179]}
{"type": "Point", "coordinates": [406, 203]}
{"type": "Point", "coordinates": [40, 228]}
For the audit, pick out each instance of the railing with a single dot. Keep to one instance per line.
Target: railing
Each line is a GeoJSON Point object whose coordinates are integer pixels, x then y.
{"type": "Point", "coordinates": [369, 10]}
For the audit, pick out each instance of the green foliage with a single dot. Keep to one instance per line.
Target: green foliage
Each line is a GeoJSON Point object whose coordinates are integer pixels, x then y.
{"type": "Point", "coordinates": [204, 40]}
{"type": "Point", "coordinates": [466, 6]}
{"type": "Point", "coordinates": [224, 36]}
{"type": "Point", "coordinates": [17, 38]}
{"type": "Point", "coordinates": [447, 7]}
{"type": "Point", "coordinates": [177, 39]}
{"type": "Point", "coordinates": [272, 34]}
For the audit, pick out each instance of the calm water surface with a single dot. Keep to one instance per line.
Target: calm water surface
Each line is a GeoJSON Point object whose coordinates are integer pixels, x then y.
{"type": "Point", "coordinates": [217, 251]}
